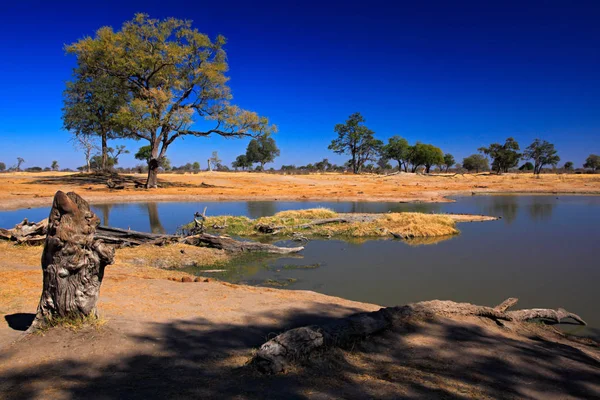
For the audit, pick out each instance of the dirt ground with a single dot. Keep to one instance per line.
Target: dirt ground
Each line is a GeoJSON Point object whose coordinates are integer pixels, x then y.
{"type": "Point", "coordinates": [166, 339]}
{"type": "Point", "coordinates": [18, 190]}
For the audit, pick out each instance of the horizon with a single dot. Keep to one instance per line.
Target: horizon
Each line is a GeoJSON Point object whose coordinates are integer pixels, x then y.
{"type": "Point", "coordinates": [459, 77]}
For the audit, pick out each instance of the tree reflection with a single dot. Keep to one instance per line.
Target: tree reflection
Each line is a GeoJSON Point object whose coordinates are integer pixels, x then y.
{"type": "Point", "coordinates": [541, 208]}
{"type": "Point", "coordinates": [155, 224]}
{"type": "Point", "coordinates": [504, 206]}
{"type": "Point", "coordinates": [257, 209]}
{"type": "Point", "coordinates": [105, 211]}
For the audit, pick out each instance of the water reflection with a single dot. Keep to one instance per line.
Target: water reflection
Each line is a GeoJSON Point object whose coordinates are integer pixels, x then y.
{"type": "Point", "coordinates": [541, 208]}
{"type": "Point", "coordinates": [154, 218]}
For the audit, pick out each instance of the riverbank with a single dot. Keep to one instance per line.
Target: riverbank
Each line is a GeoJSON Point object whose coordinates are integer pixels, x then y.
{"type": "Point", "coordinates": [162, 338]}
{"type": "Point", "coordinates": [22, 190]}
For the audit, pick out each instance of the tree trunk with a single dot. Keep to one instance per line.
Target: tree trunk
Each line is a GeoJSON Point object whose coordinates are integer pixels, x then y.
{"type": "Point", "coordinates": [73, 261]}
{"type": "Point", "coordinates": [104, 152]}
{"type": "Point", "coordinates": [152, 181]}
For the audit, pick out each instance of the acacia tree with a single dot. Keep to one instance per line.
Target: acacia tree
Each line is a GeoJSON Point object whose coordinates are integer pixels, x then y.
{"type": "Point", "coordinates": [90, 105]}
{"type": "Point", "coordinates": [504, 156]}
{"type": "Point", "coordinates": [568, 166]}
{"type": "Point", "coordinates": [593, 162]}
{"type": "Point", "coordinates": [426, 155]}
{"type": "Point", "coordinates": [542, 153]}
{"type": "Point", "coordinates": [54, 166]}
{"type": "Point", "coordinates": [2, 167]}
{"type": "Point", "coordinates": [397, 149]}
{"type": "Point", "coordinates": [356, 139]}
{"type": "Point", "coordinates": [172, 74]}
{"type": "Point", "coordinates": [262, 150]}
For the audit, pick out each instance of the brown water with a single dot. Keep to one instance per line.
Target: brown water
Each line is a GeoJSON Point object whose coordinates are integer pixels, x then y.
{"type": "Point", "coordinates": [544, 250]}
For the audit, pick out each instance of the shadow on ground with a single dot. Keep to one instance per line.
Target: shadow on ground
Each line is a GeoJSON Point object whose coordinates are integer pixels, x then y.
{"type": "Point", "coordinates": [101, 178]}
{"type": "Point", "coordinates": [196, 359]}
{"type": "Point", "coordinates": [19, 321]}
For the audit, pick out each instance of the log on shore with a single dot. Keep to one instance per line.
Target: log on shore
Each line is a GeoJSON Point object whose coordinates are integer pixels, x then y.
{"type": "Point", "coordinates": [35, 234]}
{"type": "Point", "coordinates": [277, 354]}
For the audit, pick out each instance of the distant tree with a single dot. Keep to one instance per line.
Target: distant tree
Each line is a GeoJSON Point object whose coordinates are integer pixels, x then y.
{"type": "Point", "coordinates": [323, 165]}
{"type": "Point", "coordinates": [475, 162]}
{"type": "Point", "coordinates": [144, 153]}
{"type": "Point", "coordinates": [2, 167]}
{"type": "Point", "coordinates": [568, 166]}
{"type": "Point", "coordinates": [504, 156]}
{"type": "Point", "coordinates": [96, 163]}
{"type": "Point", "coordinates": [116, 152]}
{"type": "Point", "coordinates": [196, 166]}
{"type": "Point", "coordinates": [356, 140]}
{"type": "Point", "coordinates": [426, 155]}
{"type": "Point", "coordinates": [528, 166]}
{"type": "Point", "coordinates": [19, 162]}
{"type": "Point", "coordinates": [171, 73]}
{"type": "Point", "coordinates": [34, 169]}
{"type": "Point", "coordinates": [593, 162]}
{"type": "Point", "coordinates": [242, 162]}
{"type": "Point", "coordinates": [262, 150]}
{"type": "Point", "coordinates": [213, 161]}
{"type": "Point", "coordinates": [54, 166]}
{"type": "Point", "coordinates": [91, 103]}
{"type": "Point", "coordinates": [86, 143]}
{"type": "Point", "coordinates": [397, 149]}
{"type": "Point", "coordinates": [542, 153]}
{"type": "Point", "coordinates": [448, 161]}
{"type": "Point", "coordinates": [384, 163]}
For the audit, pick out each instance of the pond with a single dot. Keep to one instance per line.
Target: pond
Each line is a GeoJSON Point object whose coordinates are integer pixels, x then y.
{"type": "Point", "coordinates": [544, 251]}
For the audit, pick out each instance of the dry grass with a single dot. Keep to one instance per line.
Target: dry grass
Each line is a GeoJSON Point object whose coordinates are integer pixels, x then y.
{"type": "Point", "coordinates": [172, 256]}
{"type": "Point", "coordinates": [407, 225]}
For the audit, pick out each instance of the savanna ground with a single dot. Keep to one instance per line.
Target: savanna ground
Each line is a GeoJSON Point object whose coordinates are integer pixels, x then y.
{"type": "Point", "coordinates": [160, 338]}
{"type": "Point", "coordinates": [18, 190]}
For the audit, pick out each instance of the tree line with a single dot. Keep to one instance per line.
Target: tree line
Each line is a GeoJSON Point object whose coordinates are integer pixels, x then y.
{"type": "Point", "coordinates": [355, 139]}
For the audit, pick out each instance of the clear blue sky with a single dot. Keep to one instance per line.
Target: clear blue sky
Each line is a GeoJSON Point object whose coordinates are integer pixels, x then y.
{"type": "Point", "coordinates": [456, 74]}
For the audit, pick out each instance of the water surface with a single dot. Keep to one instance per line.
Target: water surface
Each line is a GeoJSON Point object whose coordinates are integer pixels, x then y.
{"type": "Point", "coordinates": [544, 251]}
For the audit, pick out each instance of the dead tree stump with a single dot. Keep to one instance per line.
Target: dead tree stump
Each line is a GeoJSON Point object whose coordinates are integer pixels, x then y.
{"type": "Point", "coordinates": [73, 261]}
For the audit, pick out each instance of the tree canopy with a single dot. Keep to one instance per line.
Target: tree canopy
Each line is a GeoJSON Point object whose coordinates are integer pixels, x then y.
{"type": "Point", "coordinates": [262, 150]}
{"type": "Point", "coordinates": [504, 156]}
{"type": "Point", "coordinates": [2, 167]}
{"type": "Point", "coordinates": [568, 166]}
{"type": "Point", "coordinates": [355, 139]}
{"type": "Point", "coordinates": [476, 162]}
{"type": "Point", "coordinates": [426, 155]}
{"type": "Point", "coordinates": [171, 74]}
{"type": "Point", "coordinates": [449, 161]}
{"type": "Point", "coordinates": [593, 162]}
{"type": "Point", "coordinates": [397, 149]}
{"type": "Point", "coordinates": [542, 153]}
{"type": "Point", "coordinates": [242, 162]}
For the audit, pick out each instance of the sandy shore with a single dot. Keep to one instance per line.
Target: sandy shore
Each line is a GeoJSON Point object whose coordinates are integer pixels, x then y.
{"type": "Point", "coordinates": [21, 190]}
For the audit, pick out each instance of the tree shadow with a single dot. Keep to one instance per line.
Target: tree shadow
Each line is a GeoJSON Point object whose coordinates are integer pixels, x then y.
{"type": "Point", "coordinates": [19, 321]}
{"type": "Point", "coordinates": [194, 358]}
{"type": "Point", "coordinates": [101, 178]}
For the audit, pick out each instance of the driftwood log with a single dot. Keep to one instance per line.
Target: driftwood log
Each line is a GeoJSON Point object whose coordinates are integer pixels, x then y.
{"type": "Point", "coordinates": [29, 233]}
{"type": "Point", "coordinates": [280, 352]}
{"type": "Point", "coordinates": [73, 261]}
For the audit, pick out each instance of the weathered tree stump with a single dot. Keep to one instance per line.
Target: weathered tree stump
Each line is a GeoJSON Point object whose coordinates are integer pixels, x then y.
{"type": "Point", "coordinates": [73, 261]}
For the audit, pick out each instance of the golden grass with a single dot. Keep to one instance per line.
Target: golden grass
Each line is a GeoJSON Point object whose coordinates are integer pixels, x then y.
{"type": "Point", "coordinates": [407, 225]}
{"type": "Point", "coordinates": [172, 256]}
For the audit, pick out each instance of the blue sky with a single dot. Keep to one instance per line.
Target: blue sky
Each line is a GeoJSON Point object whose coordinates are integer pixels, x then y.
{"type": "Point", "coordinates": [456, 74]}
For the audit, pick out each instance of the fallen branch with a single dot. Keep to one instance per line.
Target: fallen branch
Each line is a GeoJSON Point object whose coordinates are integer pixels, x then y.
{"type": "Point", "coordinates": [35, 234]}
{"type": "Point", "coordinates": [277, 354]}
{"type": "Point", "coordinates": [322, 222]}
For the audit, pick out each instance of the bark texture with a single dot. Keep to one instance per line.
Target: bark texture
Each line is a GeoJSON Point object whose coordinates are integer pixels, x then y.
{"type": "Point", "coordinates": [73, 261]}
{"type": "Point", "coordinates": [280, 352]}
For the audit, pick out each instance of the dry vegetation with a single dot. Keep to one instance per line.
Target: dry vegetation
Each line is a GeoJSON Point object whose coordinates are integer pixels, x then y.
{"type": "Point", "coordinates": [18, 190]}
{"type": "Point", "coordinates": [286, 223]}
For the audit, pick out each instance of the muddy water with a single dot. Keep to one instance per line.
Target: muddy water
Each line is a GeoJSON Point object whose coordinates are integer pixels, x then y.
{"type": "Point", "coordinates": [544, 250]}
